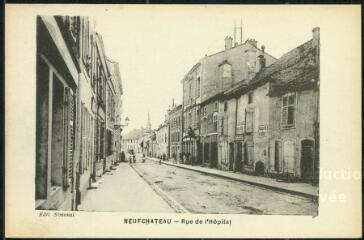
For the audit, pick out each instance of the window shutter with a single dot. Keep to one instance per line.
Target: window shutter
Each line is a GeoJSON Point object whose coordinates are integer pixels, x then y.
{"type": "Point", "coordinates": [284, 116]}
{"type": "Point", "coordinates": [70, 137]}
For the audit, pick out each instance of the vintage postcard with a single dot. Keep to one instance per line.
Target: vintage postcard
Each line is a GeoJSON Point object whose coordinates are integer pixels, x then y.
{"type": "Point", "coordinates": [183, 121]}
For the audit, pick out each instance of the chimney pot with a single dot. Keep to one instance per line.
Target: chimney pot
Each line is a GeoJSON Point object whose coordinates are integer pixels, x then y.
{"type": "Point", "coordinates": [263, 48]}
{"type": "Point", "coordinates": [316, 32]}
{"type": "Point", "coordinates": [228, 42]}
{"type": "Point", "coordinates": [252, 42]}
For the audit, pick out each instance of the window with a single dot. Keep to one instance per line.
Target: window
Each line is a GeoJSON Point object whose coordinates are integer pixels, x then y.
{"type": "Point", "coordinates": [226, 71]}
{"type": "Point", "coordinates": [190, 92]}
{"type": "Point", "coordinates": [249, 119]}
{"type": "Point", "coordinates": [190, 119]}
{"type": "Point", "coordinates": [198, 86]}
{"type": "Point", "coordinates": [214, 120]}
{"type": "Point", "coordinates": [225, 106]}
{"type": "Point", "coordinates": [288, 110]}
{"type": "Point", "coordinates": [250, 97]}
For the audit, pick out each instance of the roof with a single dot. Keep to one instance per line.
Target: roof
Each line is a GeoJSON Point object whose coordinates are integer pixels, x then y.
{"type": "Point", "coordinates": [293, 70]}
{"type": "Point", "coordinates": [135, 134]}
{"type": "Point", "coordinates": [115, 72]}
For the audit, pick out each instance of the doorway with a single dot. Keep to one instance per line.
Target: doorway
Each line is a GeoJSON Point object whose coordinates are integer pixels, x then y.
{"type": "Point", "coordinates": [277, 154]}
{"type": "Point", "coordinates": [231, 156]}
{"type": "Point", "coordinates": [307, 158]}
{"type": "Point", "coordinates": [206, 152]}
{"type": "Point", "coordinates": [214, 154]}
{"type": "Point", "coordinates": [239, 156]}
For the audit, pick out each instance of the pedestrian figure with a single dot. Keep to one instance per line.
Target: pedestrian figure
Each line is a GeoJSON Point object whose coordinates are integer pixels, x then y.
{"type": "Point", "coordinates": [134, 160]}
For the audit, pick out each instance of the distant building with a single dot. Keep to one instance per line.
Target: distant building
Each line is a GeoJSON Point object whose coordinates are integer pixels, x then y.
{"type": "Point", "coordinates": [161, 142]}
{"type": "Point", "coordinates": [175, 132]}
{"type": "Point", "coordinates": [132, 140]}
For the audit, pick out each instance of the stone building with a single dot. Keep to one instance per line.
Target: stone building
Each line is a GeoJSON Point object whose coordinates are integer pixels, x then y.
{"type": "Point", "coordinates": [175, 132]}
{"type": "Point", "coordinates": [162, 139]}
{"type": "Point", "coordinates": [235, 66]}
{"type": "Point", "coordinates": [294, 112]}
{"type": "Point", "coordinates": [274, 127]}
{"type": "Point", "coordinates": [71, 110]}
{"type": "Point", "coordinates": [116, 108]}
{"type": "Point", "coordinates": [132, 141]}
{"type": "Point", "coordinates": [57, 86]}
{"type": "Point", "coordinates": [190, 111]}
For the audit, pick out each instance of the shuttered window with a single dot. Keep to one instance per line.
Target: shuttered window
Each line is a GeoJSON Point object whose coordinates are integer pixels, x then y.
{"type": "Point", "coordinates": [288, 110]}
{"type": "Point", "coordinates": [69, 117]}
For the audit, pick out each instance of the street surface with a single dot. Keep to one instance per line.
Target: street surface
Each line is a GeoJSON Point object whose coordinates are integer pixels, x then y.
{"type": "Point", "coordinates": [124, 191]}
{"type": "Point", "coordinates": [201, 193]}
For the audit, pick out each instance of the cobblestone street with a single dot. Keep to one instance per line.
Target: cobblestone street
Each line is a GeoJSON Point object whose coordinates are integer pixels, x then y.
{"type": "Point", "coordinates": [200, 193]}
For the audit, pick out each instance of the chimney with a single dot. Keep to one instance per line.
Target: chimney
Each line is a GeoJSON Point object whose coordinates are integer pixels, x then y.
{"type": "Point", "coordinates": [228, 43]}
{"type": "Point", "coordinates": [316, 36]}
{"type": "Point", "coordinates": [316, 33]}
{"type": "Point", "coordinates": [252, 42]}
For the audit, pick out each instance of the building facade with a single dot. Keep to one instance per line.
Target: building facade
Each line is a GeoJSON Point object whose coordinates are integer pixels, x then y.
{"type": "Point", "coordinates": [162, 139]}
{"type": "Point", "coordinates": [215, 121]}
{"type": "Point", "coordinates": [175, 132]}
{"type": "Point", "coordinates": [70, 133]}
{"type": "Point", "coordinates": [270, 124]}
{"type": "Point", "coordinates": [190, 114]}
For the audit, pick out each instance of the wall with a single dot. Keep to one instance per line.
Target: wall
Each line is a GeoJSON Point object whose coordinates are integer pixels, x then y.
{"type": "Point", "coordinates": [238, 57]}
{"type": "Point", "coordinates": [305, 117]}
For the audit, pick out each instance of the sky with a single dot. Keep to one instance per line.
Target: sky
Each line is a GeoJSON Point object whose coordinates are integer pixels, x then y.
{"type": "Point", "coordinates": [158, 45]}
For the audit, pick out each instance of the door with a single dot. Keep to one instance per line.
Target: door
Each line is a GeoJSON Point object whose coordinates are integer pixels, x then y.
{"type": "Point", "coordinates": [214, 154]}
{"type": "Point", "coordinates": [277, 154]}
{"type": "Point", "coordinates": [199, 153]}
{"type": "Point", "coordinates": [206, 152]}
{"type": "Point", "coordinates": [231, 156]}
{"type": "Point", "coordinates": [307, 158]}
{"type": "Point", "coordinates": [239, 156]}
{"type": "Point", "coordinates": [246, 159]}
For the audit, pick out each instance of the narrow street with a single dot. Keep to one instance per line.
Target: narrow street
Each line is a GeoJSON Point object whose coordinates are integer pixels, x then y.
{"type": "Point", "coordinates": [201, 193]}
{"type": "Point", "coordinates": [122, 190]}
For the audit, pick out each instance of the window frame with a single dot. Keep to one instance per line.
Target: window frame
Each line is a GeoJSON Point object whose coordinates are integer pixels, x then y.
{"type": "Point", "coordinates": [284, 122]}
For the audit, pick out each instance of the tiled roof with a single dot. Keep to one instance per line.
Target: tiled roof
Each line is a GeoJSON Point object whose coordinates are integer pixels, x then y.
{"type": "Point", "coordinates": [295, 69]}
{"type": "Point", "coordinates": [135, 134]}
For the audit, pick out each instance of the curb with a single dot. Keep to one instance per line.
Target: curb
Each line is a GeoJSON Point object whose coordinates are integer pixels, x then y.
{"type": "Point", "coordinates": [307, 195]}
{"type": "Point", "coordinates": [176, 206]}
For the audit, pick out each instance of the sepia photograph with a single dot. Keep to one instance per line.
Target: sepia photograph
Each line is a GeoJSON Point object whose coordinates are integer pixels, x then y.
{"type": "Point", "coordinates": [241, 135]}
{"type": "Point", "coordinates": [182, 121]}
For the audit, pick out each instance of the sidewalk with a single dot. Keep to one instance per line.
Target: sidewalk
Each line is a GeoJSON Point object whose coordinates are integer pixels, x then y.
{"type": "Point", "coordinates": [124, 191]}
{"type": "Point", "coordinates": [303, 189]}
